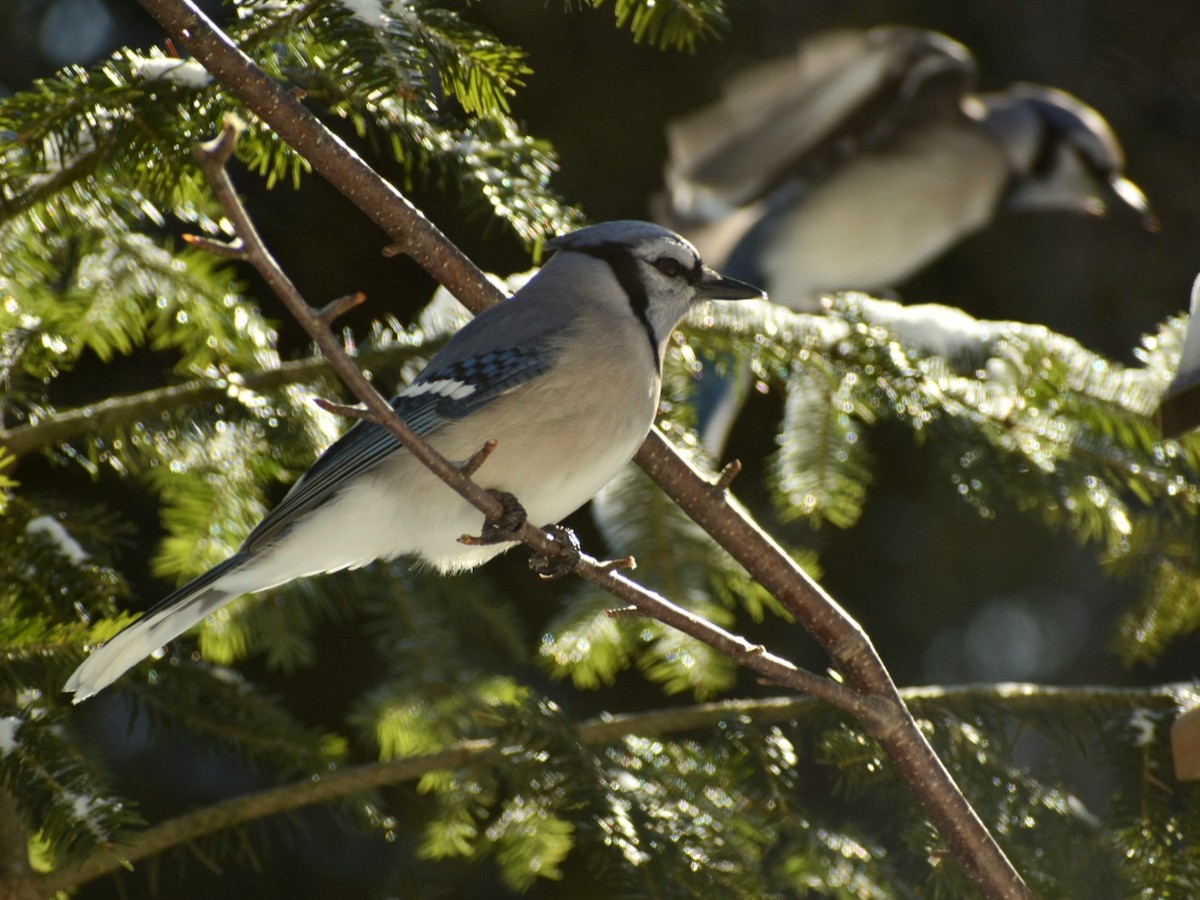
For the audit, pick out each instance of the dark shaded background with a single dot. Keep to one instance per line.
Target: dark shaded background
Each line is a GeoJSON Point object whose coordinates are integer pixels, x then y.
{"type": "Point", "coordinates": [946, 596]}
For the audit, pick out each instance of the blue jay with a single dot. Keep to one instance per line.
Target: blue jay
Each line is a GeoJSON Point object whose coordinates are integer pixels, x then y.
{"type": "Point", "coordinates": [864, 156]}
{"type": "Point", "coordinates": [564, 376]}
{"type": "Point", "coordinates": [854, 163]}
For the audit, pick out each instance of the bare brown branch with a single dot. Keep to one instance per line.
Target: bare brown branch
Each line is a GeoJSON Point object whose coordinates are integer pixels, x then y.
{"type": "Point", "coordinates": [229, 249]}
{"type": "Point", "coordinates": [14, 846]}
{"type": "Point", "coordinates": [731, 471]}
{"type": "Point", "coordinates": [471, 466]}
{"type": "Point", "coordinates": [341, 409]}
{"type": "Point", "coordinates": [341, 306]}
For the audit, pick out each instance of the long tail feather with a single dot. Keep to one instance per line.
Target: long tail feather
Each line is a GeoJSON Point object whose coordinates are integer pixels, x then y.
{"type": "Point", "coordinates": [168, 619]}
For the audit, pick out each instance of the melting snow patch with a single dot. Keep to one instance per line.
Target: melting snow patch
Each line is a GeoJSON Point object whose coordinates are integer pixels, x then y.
{"type": "Point", "coordinates": [943, 330]}
{"type": "Point", "coordinates": [368, 11]}
{"type": "Point", "coordinates": [186, 72]}
{"type": "Point", "coordinates": [1142, 722]}
{"type": "Point", "coordinates": [53, 529]}
{"type": "Point", "coordinates": [82, 806]}
{"type": "Point", "coordinates": [8, 734]}
{"type": "Point", "coordinates": [1081, 812]}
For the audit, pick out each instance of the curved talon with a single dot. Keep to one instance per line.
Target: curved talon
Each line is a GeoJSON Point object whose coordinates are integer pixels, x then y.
{"type": "Point", "coordinates": [504, 529]}
{"type": "Point", "coordinates": [564, 562]}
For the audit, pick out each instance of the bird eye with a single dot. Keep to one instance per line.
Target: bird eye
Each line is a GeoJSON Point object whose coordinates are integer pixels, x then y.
{"type": "Point", "coordinates": [669, 266]}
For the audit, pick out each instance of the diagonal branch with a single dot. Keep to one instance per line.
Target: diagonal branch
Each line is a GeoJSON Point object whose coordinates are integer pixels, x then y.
{"type": "Point", "coordinates": [43, 187]}
{"type": "Point", "coordinates": [841, 636]}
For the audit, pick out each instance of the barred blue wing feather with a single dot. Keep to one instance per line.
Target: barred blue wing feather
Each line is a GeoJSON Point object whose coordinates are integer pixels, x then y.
{"type": "Point", "coordinates": [464, 387]}
{"type": "Point", "coordinates": [440, 395]}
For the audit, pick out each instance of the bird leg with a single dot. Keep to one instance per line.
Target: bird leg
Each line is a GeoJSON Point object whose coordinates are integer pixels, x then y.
{"type": "Point", "coordinates": [568, 554]}
{"type": "Point", "coordinates": [503, 530]}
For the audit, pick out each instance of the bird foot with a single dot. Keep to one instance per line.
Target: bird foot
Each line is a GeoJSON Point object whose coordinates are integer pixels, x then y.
{"type": "Point", "coordinates": [512, 520]}
{"type": "Point", "coordinates": [568, 554]}
{"type": "Point", "coordinates": [502, 530]}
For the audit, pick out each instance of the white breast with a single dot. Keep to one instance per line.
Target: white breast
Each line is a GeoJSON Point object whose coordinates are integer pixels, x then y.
{"type": "Point", "coordinates": [883, 216]}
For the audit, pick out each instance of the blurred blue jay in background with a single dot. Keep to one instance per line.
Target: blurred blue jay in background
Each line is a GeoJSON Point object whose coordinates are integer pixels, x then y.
{"type": "Point", "coordinates": [1179, 410]}
{"type": "Point", "coordinates": [564, 377]}
{"type": "Point", "coordinates": [861, 158]}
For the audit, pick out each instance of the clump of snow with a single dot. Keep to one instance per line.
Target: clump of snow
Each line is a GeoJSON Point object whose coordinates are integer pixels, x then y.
{"type": "Point", "coordinates": [942, 330]}
{"type": "Point", "coordinates": [368, 11]}
{"type": "Point", "coordinates": [81, 805]}
{"type": "Point", "coordinates": [227, 675]}
{"type": "Point", "coordinates": [445, 314]}
{"type": "Point", "coordinates": [1143, 723]}
{"type": "Point", "coordinates": [186, 72]}
{"type": "Point", "coordinates": [8, 733]}
{"type": "Point", "coordinates": [1077, 808]}
{"type": "Point", "coordinates": [53, 529]}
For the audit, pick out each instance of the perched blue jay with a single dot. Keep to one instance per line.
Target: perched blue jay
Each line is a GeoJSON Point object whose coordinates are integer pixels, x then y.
{"type": "Point", "coordinates": [564, 376]}
{"type": "Point", "coordinates": [858, 160]}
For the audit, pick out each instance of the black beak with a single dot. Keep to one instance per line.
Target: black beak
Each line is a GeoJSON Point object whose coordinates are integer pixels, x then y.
{"type": "Point", "coordinates": [1131, 198]}
{"type": "Point", "coordinates": [712, 285]}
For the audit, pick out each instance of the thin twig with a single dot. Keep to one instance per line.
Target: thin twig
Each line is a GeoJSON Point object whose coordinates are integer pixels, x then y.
{"type": "Point", "coordinates": [478, 458]}
{"type": "Point", "coordinates": [212, 156]}
{"type": "Point", "coordinates": [48, 185]}
{"type": "Point", "coordinates": [731, 471]}
{"type": "Point", "coordinates": [340, 306]}
{"type": "Point", "coordinates": [234, 249]}
{"type": "Point", "coordinates": [341, 409]}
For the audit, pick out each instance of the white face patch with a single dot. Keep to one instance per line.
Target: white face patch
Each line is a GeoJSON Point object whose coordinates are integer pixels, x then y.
{"type": "Point", "coordinates": [445, 387]}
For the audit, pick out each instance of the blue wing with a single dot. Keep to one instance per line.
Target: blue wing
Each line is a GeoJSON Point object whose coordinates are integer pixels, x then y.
{"type": "Point", "coordinates": [440, 395]}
